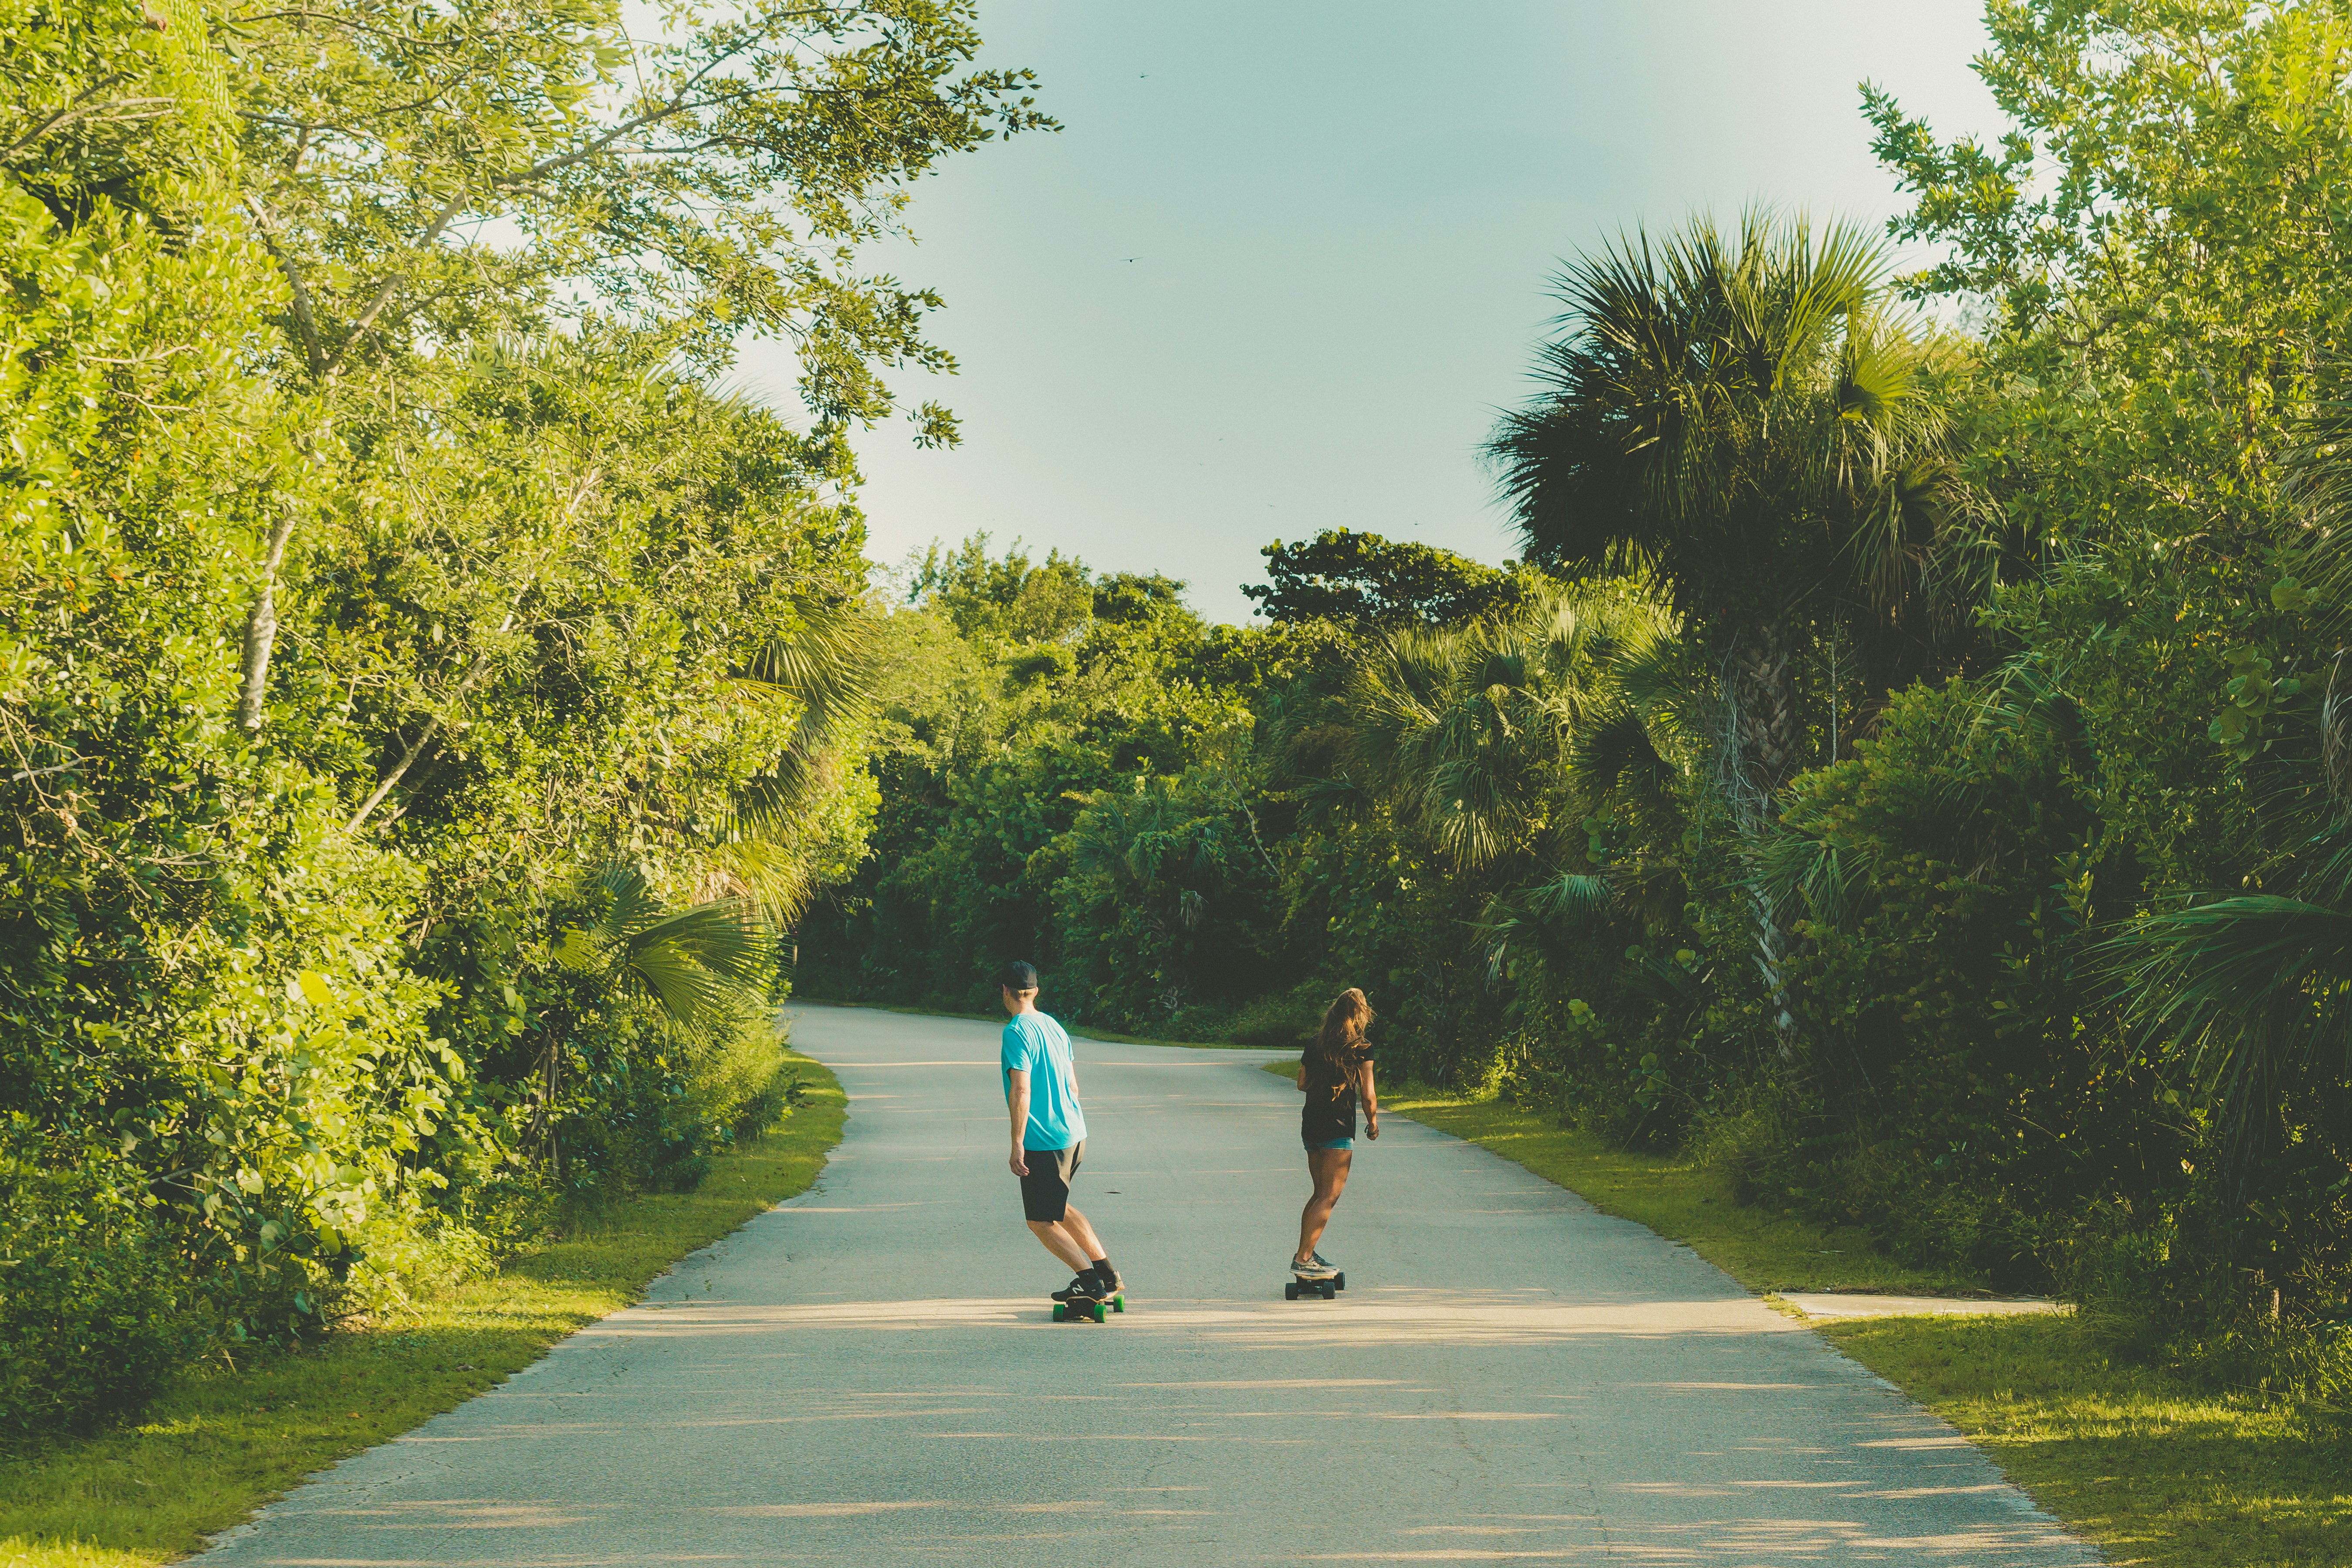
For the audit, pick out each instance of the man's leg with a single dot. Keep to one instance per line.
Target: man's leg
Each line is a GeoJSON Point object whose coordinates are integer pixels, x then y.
{"type": "Point", "coordinates": [1082, 1233]}
{"type": "Point", "coordinates": [1057, 1242]}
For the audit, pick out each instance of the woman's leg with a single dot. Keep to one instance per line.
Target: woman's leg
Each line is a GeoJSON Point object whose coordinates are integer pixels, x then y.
{"type": "Point", "coordinates": [1328, 1167]}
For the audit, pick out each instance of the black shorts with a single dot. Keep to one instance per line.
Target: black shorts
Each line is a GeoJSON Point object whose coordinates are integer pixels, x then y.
{"type": "Point", "coordinates": [1045, 1190]}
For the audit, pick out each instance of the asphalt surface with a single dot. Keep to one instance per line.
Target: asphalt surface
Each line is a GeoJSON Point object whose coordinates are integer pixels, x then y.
{"type": "Point", "coordinates": [871, 1374]}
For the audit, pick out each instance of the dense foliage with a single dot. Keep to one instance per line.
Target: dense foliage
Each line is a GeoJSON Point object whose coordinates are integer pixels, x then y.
{"type": "Point", "coordinates": [1908, 769]}
{"type": "Point", "coordinates": [421, 696]}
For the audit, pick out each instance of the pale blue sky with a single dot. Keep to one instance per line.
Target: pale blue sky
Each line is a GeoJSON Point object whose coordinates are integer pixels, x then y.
{"type": "Point", "coordinates": [1286, 259]}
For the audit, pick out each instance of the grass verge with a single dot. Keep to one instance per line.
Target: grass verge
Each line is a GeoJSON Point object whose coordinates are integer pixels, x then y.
{"type": "Point", "coordinates": [221, 1443]}
{"type": "Point", "coordinates": [2148, 1463]}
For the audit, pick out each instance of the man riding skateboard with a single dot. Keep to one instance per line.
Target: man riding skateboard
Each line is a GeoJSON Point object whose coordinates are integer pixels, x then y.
{"type": "Point", "coordinates": [1049, 1135]}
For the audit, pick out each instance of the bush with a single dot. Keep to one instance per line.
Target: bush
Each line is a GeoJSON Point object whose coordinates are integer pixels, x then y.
{"type": "Point", "coordinates": [93, 1312]}
{"type": "Point", "coordinates": [734, 1074]}
{"type": "Point", "coordinates": [1287, 1018]}
{"type": "Point", "coordinates": [1739, 1146]}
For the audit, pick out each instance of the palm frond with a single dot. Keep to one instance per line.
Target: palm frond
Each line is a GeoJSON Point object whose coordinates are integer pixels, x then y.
{"type": "Point", "coordinates": [688, 994]}
{"type": "Point", "coordinates": [694, 962]}
{"type": "Point", "coordinates": [828, 663]}
{"type": "Point", "coordinates": [1796, 871]}
{"type": "Point", "coordinates": [2215, 973]}
{"type": "Point", "coordinates": [623, 900]}
{"type": "Point", "coordinates": [725, 936]}
{"type": "Point", "coordinates": [1571, 898]}
{"type": "Point", "coordinates": [1615, 752]}
{"type": "Point", "coordinates": [2258, 989]}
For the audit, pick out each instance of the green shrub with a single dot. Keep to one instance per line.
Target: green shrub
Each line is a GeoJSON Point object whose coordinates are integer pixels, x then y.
{"type": "Point", "coordinates": [1739, 1147]}
{"type": "Point", "coordinates": [781, 1095]}
{"type": "Point", "coordinates": [1286, 1018]}
{"type": "Point", "coordinates": [94, 1313]}
{"type": "Point", "coordinates": [731, 1073]}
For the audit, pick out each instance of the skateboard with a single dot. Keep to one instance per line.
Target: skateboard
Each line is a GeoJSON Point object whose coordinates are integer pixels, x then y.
{"type": "Point", "coordinates": [1090, 1309]}
{"type": "Point", "coordinates": [1325, 1287]}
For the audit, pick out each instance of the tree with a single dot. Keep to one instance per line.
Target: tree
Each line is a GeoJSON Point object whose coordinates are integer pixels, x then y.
{"type": "Point", "coordinates": [2170, 206]}
{"type": "Point", "coordinates": [1003, 600]}
{"type": "Point", "coordinates": [1447, 822]}
{"type": "Point", "coordinates": [1468, 728]}
{"type": "Point", "coordinates": [1740, 417]}
{"type": "Point", "coordinates": [698, 187]}
{"type": "Point", "coordinates": [1365, 582]}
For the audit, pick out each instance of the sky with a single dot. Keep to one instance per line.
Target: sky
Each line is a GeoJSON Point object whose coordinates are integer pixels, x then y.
{"type": "Point", "coordinates": [1286, 260]}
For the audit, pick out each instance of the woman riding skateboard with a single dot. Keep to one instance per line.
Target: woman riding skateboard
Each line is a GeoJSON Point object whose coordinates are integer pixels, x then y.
{"type": "Point", "coordinates": [1334, 1074]}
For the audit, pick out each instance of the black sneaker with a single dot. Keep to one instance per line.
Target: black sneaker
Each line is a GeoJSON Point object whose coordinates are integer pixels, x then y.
{"type": "Point", "coordinates": [1110, 1280]}
{"type": "Point", "coordinates": [1081, 1287]}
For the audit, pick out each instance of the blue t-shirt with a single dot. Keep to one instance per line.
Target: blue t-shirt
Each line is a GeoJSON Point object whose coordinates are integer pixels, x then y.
{"type": "Point", "coordinates": [1037, 1046]}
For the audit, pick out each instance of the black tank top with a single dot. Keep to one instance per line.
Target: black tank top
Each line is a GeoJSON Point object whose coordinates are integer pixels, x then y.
{"type": "Point", "coordinates": [1331, 1109]}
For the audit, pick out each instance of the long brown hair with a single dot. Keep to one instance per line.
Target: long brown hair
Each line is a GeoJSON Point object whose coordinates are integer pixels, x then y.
{"type": "Point", "coordinates": [1343, 1035]}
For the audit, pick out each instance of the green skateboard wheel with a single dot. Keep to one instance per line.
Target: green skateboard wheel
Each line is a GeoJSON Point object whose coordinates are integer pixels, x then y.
{"type": "Point", "coordinates": [1059, 1311]}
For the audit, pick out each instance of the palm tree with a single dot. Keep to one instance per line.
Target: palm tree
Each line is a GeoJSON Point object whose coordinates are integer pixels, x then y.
{"type": "Point", "coordinates": [1747, 420]}
{"type": "Point", "coordinates": [1743, 418]}
{"type": "Point", "coordinates": [1467, 727]}
{"type": "Point", "coordinates": [1480, 736]}
{"type": "Point", "coordinates": [709, 961]}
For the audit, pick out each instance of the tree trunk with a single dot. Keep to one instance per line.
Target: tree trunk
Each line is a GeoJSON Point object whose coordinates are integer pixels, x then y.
{"type": "Point", "coordinates": [261, 631]}
{"type": "Point", "coordinates": [1772, 737]}
{"type": "Point", "coordinates": [1768, 739]}
{"type": "Point", "coordinates": [480, 666]}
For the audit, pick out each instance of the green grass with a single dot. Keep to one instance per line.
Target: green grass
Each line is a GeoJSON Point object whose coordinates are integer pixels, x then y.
{"type": "Point", "coordinates": [2153, 1467]}
{"type": "Point", "coordinates": [2147, 1462]}
{"type": "Point", "coordinates": [222, 1442]}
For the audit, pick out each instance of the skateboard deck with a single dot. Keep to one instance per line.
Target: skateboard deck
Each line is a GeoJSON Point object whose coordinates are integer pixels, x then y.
{"type": "Point", "coordinates": [1322, 1286]}
{"type": "Point", "coordinates": [1090, 1309]}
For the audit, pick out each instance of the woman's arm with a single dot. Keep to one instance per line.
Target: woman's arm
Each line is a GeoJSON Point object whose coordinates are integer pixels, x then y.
{"type": "Point", "coordinates": [1371, 1105]}
{"type": "Point", "coordinates": [1302, 1072]}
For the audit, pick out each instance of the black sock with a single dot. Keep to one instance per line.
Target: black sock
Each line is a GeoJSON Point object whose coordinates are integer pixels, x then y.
{"type": "Point", "coordinates": [1102, 1269]}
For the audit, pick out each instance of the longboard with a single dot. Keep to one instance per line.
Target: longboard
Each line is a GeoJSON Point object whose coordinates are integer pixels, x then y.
{"type": "Point", "coordinates": [1324, 1286]}
{"type": "Point", "coordinates": [1090, 1309]}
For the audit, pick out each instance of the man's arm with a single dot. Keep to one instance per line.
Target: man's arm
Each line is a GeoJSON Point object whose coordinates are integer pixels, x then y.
{"type": "Point", "coordinates": [1018, 1102]}
{"type": "Point", "coordinates": [1371, 1105]}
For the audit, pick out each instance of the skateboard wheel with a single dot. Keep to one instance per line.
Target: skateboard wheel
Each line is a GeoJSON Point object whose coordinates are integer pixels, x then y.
{"type": "Point", "coordinates": [1339, 1282]}
{"type": "Point", "coordinates": [1329, 1293]}
{"type": "Point", "coordinates": [1060, 1311]}
{"type": "Point", "coordinates": [1118, 1303]}
{"type": "Point", "coordinates": [1290, 1292]}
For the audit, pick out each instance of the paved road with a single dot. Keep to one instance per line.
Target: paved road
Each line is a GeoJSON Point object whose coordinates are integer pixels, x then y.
{"type": "Point", "coordinates": [869, 1376]}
